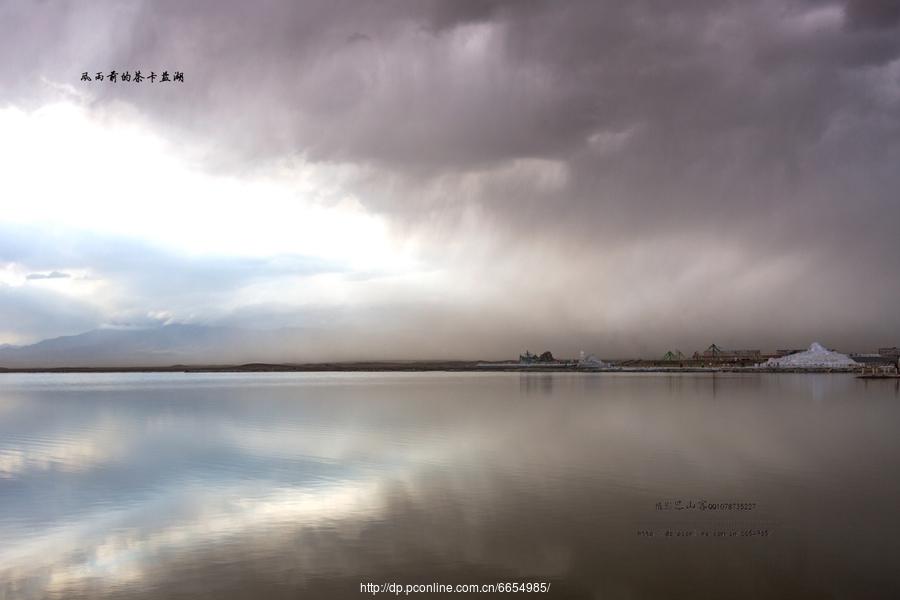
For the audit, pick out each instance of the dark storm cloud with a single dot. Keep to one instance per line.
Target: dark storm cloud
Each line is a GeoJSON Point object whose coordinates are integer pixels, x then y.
{"type": "Point", "coordinates": [448, 85]}
{"type": "Point", "coordinates": [760, 135]}
{"type": "Point", "coordinates": [875, 14]}
{"type": "Point", "coordinates": [327, 79]}
{"type": "Point", "coordinates": [392, 83]}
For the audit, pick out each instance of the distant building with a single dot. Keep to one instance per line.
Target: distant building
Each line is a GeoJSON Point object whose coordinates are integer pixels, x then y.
{"type": "Point", "coordinates": [788, 351]}
{"type": "Point", "coordinates": [712, 352]}
{"type": "Point", "coordinates": [716, 353]}
{"type": "Point", "coordinates": [892, 352]}
{"type": "Point", "coordinates": [529, 359]}
{"type": "Point", "coordinates": [874, 359]}
{"type": "Point", "coordinates": [744, 353]}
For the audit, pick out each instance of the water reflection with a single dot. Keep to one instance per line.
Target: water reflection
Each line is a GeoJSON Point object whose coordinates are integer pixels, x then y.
{"type": "Point", "coordinates": [280, 485]}
{"type": "Point", "coordinates": [537, 383]}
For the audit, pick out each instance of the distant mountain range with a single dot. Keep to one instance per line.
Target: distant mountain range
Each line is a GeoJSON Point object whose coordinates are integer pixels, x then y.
{"type": "Point", "coordinates": [160, 346]}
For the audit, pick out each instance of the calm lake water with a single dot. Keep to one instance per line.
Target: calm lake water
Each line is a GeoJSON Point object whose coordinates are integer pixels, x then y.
{"type": "Point", "coordinates": [311, 485]}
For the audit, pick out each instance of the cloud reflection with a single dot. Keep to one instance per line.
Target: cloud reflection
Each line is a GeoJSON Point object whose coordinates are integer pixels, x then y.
{"type": "Point", "coordinates": [276, 485]}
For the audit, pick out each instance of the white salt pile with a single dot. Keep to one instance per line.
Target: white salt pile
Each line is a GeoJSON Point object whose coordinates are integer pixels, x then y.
{"type": "Point", "coordinates": [816, 357]}
{"type": "Point", "coordinates": [591, 362]}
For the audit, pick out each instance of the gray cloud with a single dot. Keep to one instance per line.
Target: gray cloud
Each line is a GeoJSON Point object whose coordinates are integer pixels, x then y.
{"type": "Point", "coordinates": [875, 14]}
{"type": "Point", "coordinates": [36, 314]}
{"type": "Point", "coordinates": [50, 275]}
{"type": "Point", "coordinates": [144, 281]}
{"type": "Point", "coordinates": [729, 168]}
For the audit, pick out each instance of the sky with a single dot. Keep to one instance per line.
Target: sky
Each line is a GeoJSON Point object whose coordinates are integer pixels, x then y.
{"type": "Point", "coordinates": [455, 179]}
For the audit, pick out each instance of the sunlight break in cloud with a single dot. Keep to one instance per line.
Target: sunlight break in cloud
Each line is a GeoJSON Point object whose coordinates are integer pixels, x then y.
{"type": "Point", "coordinates": [112, 175]}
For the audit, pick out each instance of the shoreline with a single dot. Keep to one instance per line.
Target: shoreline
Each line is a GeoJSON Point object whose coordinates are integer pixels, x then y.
{"type": "Point", "coordinates": [415, 366]}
